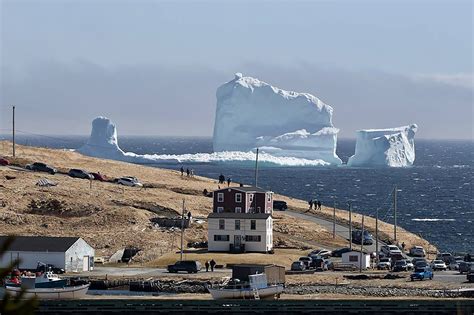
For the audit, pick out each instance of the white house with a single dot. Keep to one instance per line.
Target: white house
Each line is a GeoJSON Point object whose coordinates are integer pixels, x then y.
{"type": "Point", "coordinates": [354, 257]}
{"type": "Point", "coordinates": [70, 253]}
{"type": "Point", "coordinates": [240, 232]}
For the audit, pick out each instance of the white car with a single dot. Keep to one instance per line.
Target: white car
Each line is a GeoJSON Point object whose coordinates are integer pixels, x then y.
{"type": "Point", "coordinates": [129, 181]}
{"type": "Point", "coordinates": [390, 250]}
{"type": "Point", "coordinates": [438, 265]}
{"type": "Point", "coordinates": [384, 263]}
{"type": "Point", "coordinates": [417, 251]}
{"type": "Point", "coordinates": [454, 264]}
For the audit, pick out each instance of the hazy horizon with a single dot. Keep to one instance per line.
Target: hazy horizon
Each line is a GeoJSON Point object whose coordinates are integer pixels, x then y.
{"type": "Point", "coordinates": [153, 67]}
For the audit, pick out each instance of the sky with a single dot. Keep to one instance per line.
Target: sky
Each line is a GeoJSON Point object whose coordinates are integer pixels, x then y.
{"type": "Point", "coordinates": [153, 67]}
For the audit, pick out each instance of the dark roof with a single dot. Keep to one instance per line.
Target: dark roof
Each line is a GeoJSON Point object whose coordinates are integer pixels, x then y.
{"type": "Point", "coordinates": [40, 243]}
{"type": "Point", "coordinates": [232, 215]}
{"type": "Point", "coordinates": [246, 189]}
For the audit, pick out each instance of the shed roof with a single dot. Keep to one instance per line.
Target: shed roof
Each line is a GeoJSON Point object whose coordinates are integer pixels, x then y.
{"type": "Point", "coordinates": [356, 252]}
{"type": "Point", "coordinates": [40, 243]}
{"type": "Point", "coordinates": [232, 215]}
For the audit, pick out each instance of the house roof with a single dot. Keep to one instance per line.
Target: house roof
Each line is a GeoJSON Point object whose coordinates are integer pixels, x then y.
{"type": "Point", "coordinates": [40, 243]}
{"type": "Point", "coordinates": [246, 189]}
{"type": "Point", "coordinates": [232, 215]}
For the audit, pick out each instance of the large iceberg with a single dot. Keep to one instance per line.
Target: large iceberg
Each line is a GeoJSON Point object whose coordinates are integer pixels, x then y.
{"type": "Point", "coordinates": [103, 143]}
{"type": "Point", "coordinates": [252, 114]}
{"type": "Point", "coordinates": [393, 147]}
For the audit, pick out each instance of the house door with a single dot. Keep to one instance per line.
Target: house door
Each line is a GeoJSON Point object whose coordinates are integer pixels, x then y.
{"type": "Point", "coordinates": [237, 241]}
{"type": "Point", "coordinates": [85, 263]}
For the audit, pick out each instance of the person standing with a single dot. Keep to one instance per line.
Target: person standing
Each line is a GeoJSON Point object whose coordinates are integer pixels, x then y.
{"type": "Point", "coordinates": [182, 171]}
{"type": "Point", "coordinates": [229, 180]}
{"type": "Point", "coordinates": [310, 204]}
{"type": "Point", "coordinates": [319, 204]}
{"type": "Point", "coordinates": [207, 266]}
{"type": "Point", "coordinates": [187, 172]}
{"type": "Point", "coordinates": [212, 263]}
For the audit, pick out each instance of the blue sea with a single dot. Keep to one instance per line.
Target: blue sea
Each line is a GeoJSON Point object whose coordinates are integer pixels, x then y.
{"type": "Point", "coordinates": [435, 197]}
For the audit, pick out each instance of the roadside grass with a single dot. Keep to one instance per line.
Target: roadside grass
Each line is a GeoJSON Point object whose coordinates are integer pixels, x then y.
{"type": "Point", "coordinates": [282, 257]}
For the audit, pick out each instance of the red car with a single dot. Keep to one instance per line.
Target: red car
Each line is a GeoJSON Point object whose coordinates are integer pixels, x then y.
{"type": "Point", "coordinates": [4, 162]}
{"type": "Point", "coordinates": [99, 177]}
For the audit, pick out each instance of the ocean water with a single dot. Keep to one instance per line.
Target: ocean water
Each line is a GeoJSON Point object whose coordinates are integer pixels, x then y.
{"type": "Point", "coordinates": [435, 196]}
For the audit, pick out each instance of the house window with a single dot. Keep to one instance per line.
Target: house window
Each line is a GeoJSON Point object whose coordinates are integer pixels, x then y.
{"type": "Point", "coordinates": [221, 224]}
{"type": "Point", "coordinates": [220, 209]}
{"type": "Point", "coordinates": [258, 209]}
{"type": "Point", "coordinates": [354, 258]}
{"type": "Point", "coordinates": [253, 224]}
{"type": "Point", "coordinates": [251, 197]}
{"type": "Point", "coordinates": [269, 197]}
{"type": "Point", "coordinates": [220, 197]}
{"type": "Point", "coordinates": [221, 238]}
{"type": "Point", "coordinates": [238, 197]}
{"type": "Point", "coordinates": [237, 224]}
{"type": "Point", "coordinates": [238, 210]}
{"type": "Point", "coordinates": [253, 238]}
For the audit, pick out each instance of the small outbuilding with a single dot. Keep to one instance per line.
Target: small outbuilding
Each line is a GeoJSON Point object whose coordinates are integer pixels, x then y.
{"type": "Point", "coordinates": [355, 258]}
{"type": "Point", "coordinates": [72, 254]}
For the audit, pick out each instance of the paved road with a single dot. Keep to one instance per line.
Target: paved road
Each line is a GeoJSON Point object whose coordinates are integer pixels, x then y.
{"type": "Point", "coordinates": [101, 271]}
{"type": "Point", "coordinates": [341, 230]}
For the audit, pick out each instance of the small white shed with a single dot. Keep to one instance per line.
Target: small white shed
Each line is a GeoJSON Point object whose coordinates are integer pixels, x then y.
{"type": "Point", "coordinates": [354, 258]}
{"type": "Point", "coordinates": [72, 254]}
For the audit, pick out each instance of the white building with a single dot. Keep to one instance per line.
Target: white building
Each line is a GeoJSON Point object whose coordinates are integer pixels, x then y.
{"type": "Point", "coordinates": [354, 258]}
{"type": "Point", "coordinates": [70, 253]}
{"type": "Point", "coordinates": [240, 232]}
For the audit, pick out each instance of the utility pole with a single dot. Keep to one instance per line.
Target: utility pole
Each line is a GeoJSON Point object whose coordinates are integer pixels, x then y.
{"type": "Point", "coordinates": [361, 245]}
{"type": "Point", "coordinates": [13, 131]}
{"type": "Point", "coordinates": [334, 218]}
{"type": "Point", "coordinates": [395, 213]}
{"type": "Point", "coordinates": [182, 234]}
{"type": "Point", "coordinates": [377, 236]}
{"type": "Point", "coordinates": [350, 225]}
{"type": "Point", "coordinates": [256, 170]}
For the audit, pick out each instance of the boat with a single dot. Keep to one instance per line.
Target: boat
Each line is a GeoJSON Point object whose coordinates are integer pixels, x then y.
{"type": "Point", "coordinates": [257, 288]}
{"type": "Point", "coordinates": [64, 293]}
{"type": "Point", "coordinates": [45, 280]}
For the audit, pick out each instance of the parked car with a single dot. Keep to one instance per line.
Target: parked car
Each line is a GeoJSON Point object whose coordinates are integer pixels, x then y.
{"type": "Point", "coordinates": [438, 264]}
{"type": "Point", "coordinates": [320, 252]}
{"type": "Point", "coordinates": [298, 266]}
{"type": "Point", "coordinates": [454, 263]}
{"type": "Point", "coordinates": [129, 181]}
{"type": "Point", "coordinates": [189, 266]}
{"type": "Point", "coordinates": [340, 251]}
{"type": "Point", "coordinates": [417, 251]}
{"type": "Point", "coordinates": [384, 263]}
{"type": "Point", "coordinates": [99, 177]}
{"type": "Point", "coordinates": [41, 167]}
{"type": "Point", "coordinates": [280, 205]}
{"type": "Point", "coordinates": [99, 260]}
{"type": "Point", "coordinates": [464, 266]}
{"type": "Point", "coordinates": [77, 173]}
{"type": "Point", "coordinates": [306, 260]}
{"type": "Point", "coordinates": [4, 162]}
{"type": "Point", "coordinates": [321, 264]}
{"type": "Point", "coordinates": [418, 259]}
{"type": "Point", "coordinates": [422, 273]}
{"type": "Point", "coordinates": [357, 237]}
{"type": "Point", "coordinates": [390, 249]}
{"type": "Point", "coordinates": [401, 265]}
{"type": "Point", "coordinates": [444, 257]}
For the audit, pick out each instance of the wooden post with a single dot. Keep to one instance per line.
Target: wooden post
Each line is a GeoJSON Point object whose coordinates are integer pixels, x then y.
{"type": "Point", "coordinates": [350, 225]}
{"type": "Point", "coordinates": [395, 213]}
{"type": "Point", "coordinates": [334, 219]}
{"type": "Point", "coordinates": [256, 173]}
{"type": "Point", "coordinates": [13, 131]}
{"type": "Point", "coordinates": [182, 234]}
{"type": "Point", "coordinates": [377, 236]}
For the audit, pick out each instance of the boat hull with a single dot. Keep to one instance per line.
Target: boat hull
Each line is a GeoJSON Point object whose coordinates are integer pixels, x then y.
{"type": "Point", "coordinates": [263, 293]}
{"type": "Point", "coordinates": [65, 293]}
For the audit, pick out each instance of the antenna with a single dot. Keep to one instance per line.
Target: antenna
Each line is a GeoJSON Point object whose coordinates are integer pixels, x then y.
{"type": "Point", "coordinates": [256, 170]}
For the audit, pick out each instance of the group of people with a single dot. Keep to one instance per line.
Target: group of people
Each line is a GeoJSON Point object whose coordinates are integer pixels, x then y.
{"type": "Point", "coordinates": [222, 180]}
{"type": "Point", "coordinates": [316, 203]}
{"type": "Point", "coordinates": [211, 264]}
{"type": "Point", "coordinates": [189, 172]}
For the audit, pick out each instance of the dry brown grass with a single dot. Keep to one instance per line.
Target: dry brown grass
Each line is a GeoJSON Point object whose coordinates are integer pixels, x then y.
{"type": "Point", "coordinates": [110, 217]}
